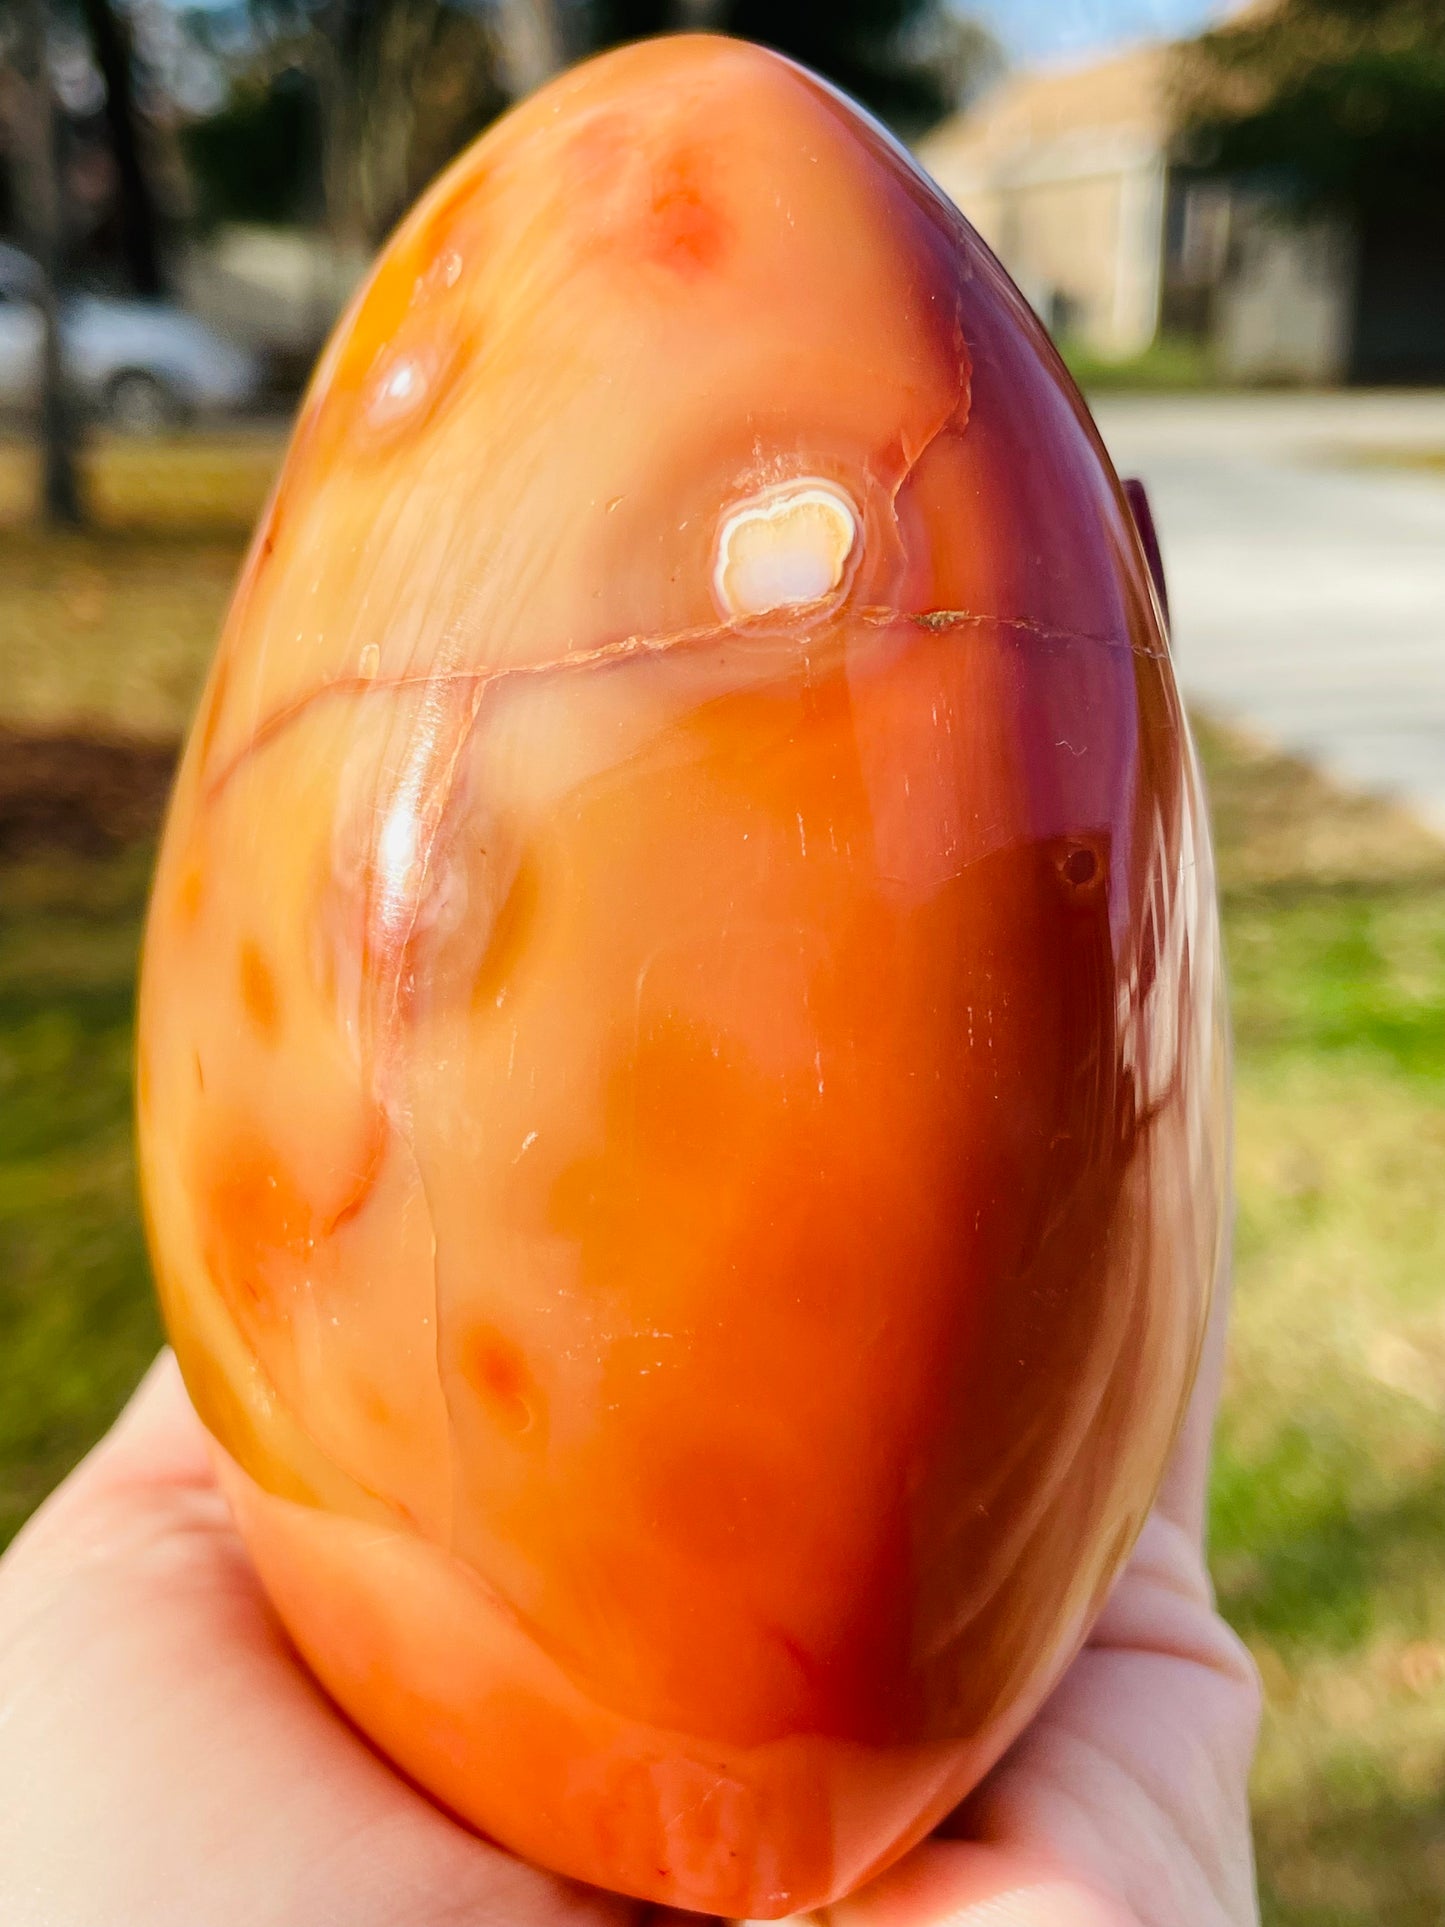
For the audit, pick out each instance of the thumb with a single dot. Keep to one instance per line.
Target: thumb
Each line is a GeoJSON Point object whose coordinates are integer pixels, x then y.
{"type": "Point", "coordinates": [156, 1443]}
{"type": "Point", "coordinates": [956, 1883]}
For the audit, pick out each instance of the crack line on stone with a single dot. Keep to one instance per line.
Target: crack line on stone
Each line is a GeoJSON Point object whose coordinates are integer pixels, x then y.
{"type": "Point", "coordinates": [626, 648]}
{"type": "Point", "coordinates": [943, 621]}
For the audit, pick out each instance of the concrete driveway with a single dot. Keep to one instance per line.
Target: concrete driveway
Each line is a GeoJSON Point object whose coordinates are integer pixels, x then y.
{"type": "Point", "coordinates": [1307, 581]}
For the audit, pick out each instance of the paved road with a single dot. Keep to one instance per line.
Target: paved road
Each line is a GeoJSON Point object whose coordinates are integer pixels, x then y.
{"type": "Point", "coordinates": [1308, 585]}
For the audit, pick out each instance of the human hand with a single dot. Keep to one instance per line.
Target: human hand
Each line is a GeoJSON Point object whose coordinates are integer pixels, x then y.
{"type": "Point", "coordinates": [166, 1762]}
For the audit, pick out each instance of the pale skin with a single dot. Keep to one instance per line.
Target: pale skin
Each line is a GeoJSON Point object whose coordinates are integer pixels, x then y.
{"type": "Point", "coordinates": [165, 1761]}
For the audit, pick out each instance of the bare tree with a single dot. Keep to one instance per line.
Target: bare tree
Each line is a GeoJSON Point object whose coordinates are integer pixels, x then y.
{"type": "Point", "coordinates": [369, 58]}
{"type": "Point", "coordinates": [39, 192]}
{"type": "Point", "coordinates": [400, 84]}
{"type": "Point", "coordinates": [111, 44]}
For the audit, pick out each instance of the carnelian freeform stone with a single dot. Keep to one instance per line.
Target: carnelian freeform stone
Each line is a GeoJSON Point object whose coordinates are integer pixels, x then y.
{"type": "Point", "coordinates": [681, 1081]}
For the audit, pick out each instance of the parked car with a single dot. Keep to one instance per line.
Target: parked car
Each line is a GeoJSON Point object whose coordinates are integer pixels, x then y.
{"type": "Point", "coordinates": [141, 364]}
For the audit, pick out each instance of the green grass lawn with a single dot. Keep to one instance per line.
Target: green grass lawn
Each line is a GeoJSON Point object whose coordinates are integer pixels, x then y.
{"type": "Point", "coordinates": [77, 1323]}
{"type": "Point", "coordinates": [1170, 364]}
{"type": "Point", "coordinates": [1329, 1501]}
{"type": "Point", "coordinates": [1329, 1495]}
{"type": "Point", "coordinates": [107, 631]}
{"type": "Point", "coordinates": [110, 629]}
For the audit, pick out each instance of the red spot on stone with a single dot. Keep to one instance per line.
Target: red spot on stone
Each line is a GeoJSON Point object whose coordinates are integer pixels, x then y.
{"type": "Point", "coordinates": [687, 230]}
{"type": "Point", "coordinates": [259, 1226]}
{"type": "Point", "coordinates": [499, 1374]}
{"type": "Point", "coordinates": [189, 892]}
{"type": "Point", "coordinates": [373, 1406]}
{"type": "Point", "coordinates": [215, 702]}
{"type": "Point", "coordinates": [259, 993]}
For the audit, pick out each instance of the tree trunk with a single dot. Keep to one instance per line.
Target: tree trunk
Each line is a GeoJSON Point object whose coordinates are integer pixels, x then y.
{"type": "Point", "coordinates": [38, 178]}
{"type": "Point", "coordinates": [110, 42]}
{"type": "Point", "coordinates": [337, 56]}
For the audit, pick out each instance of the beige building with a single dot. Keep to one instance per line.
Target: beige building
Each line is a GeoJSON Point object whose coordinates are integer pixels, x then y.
{"type": "Point", "coordinates": [1067, 175]}
{"type": "Point", "coordinates": [1064, 174]}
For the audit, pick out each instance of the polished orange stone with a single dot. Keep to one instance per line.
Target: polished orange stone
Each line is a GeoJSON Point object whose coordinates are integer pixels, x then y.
{"type": "Point", "coordinates": [683, 1117]}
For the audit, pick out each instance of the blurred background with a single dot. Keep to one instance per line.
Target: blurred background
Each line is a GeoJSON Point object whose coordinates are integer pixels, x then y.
{"type": "Point", "coordinates": [1234, 224]}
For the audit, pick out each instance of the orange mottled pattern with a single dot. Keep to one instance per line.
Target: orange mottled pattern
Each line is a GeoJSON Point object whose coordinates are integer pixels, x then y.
{"type": "Point", "coordinates": [684, 1151]}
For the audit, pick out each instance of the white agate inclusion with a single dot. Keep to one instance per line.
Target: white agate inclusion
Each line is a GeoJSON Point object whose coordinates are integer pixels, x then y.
{"type": "Point", "coordinates": [784, 547]}
{"type": "Point", "coordinates": [401, 387]}
{"type": "Point", "coordinates": [396, 848]}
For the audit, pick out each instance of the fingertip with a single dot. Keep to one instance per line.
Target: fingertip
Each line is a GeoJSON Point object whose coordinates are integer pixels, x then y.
{"type": "Point", "coordinates": [157, 1435]}
{"type": "Point", "coordinates": [1184, 1489]}
{"type": "Point", "coordinates": [960, 1883]}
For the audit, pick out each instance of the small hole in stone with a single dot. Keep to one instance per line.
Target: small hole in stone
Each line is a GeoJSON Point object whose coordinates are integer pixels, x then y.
{"type": "Point", "coordinates": [1079, 867]}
